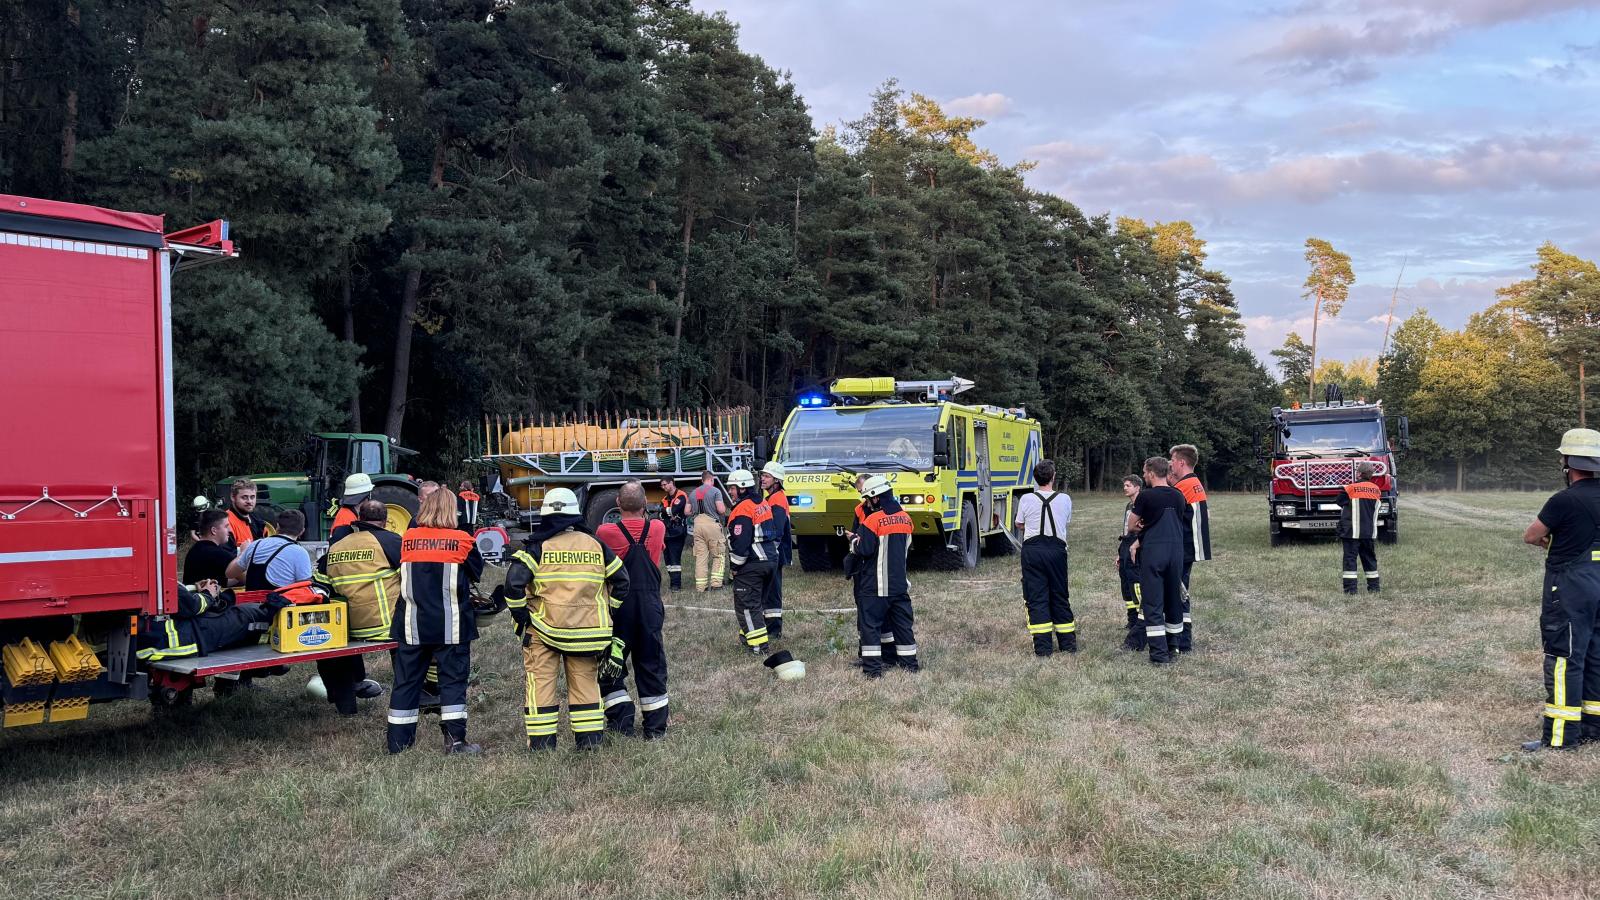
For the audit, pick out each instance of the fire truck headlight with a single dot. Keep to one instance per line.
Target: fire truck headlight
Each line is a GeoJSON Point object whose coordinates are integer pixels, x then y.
{"type": "Point", "coordinates": [1383, 508]}
{"type": "Point", "coordinates": [1285, 511]}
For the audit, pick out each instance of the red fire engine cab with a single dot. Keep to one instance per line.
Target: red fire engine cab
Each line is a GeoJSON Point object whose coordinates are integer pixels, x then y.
{"type": "Point", "coordinates": [1313, 452]}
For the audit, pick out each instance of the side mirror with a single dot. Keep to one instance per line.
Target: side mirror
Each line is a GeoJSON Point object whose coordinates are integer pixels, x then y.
{"type": "Point", "coordinates": [941, 449]}
{"type": "Point", "coordinates": [763, 450]}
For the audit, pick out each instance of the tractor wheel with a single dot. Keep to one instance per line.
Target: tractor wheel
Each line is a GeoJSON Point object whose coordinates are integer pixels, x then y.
{"type": "Point", "coordinates": [402, 504]}
{"type": "Point", "coordinates": [1391, 533]}
{"type": "Point", "coordinates": [816, 552]}
{"type": "Point", "coordinates": [602, 509]}
{"type": "Point", "coordinates": [1278, 536]}
{"type": "Point", "coordinates": [964, 555]}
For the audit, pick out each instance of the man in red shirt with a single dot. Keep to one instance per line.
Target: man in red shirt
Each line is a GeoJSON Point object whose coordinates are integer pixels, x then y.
{"type": "Point", "coordinates": [638, 542]}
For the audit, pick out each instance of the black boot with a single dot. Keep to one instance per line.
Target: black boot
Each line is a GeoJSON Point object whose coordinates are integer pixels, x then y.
{"type": "Point", "coordinates": [542, 743]}
{"type": "Point", "coordinates": [590, 740]}
{"type": "Point", "coordinates": [1159, 654]}
{"type": "Point", "coordinates": [1068, 642]}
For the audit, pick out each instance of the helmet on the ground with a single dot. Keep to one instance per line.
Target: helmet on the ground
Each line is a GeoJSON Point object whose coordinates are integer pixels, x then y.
{"type": "Point", "coordinates": [357, 484]}
{"type": "Point", "coordinates": [775, 469]}
{"type": "Point", "coordinates": [741, 478]}
{"type": "Point", "coordinates": [877, 484]}
{"type": "Point", "coordinates": [1581, 447]}
{"type": "Point", "coordinates": [559, 502]}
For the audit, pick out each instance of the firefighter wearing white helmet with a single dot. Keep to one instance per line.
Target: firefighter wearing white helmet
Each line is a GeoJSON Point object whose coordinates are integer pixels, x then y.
{"type": "Point", "coordinates": [1568, 527]}
{"type": "Point", "coordinates": [772, 475]}
{"type": "Point", "coordinates": [877, 564]}
{"type": "Point", "coordinates": [357, 487]}
{"type": "Point", "coordinates": [565, 620]}
{"type": "Point", "coordinates": [753, 557]}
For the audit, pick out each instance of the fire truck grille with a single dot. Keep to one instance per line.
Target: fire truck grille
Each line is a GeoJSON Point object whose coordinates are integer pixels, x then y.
{"type": "Point", "coordinates": [1324, 473]}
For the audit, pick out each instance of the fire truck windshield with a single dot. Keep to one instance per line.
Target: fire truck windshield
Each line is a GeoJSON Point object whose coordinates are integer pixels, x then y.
{"type": "Point", "coordinates": [891, 436]}
{"type": "Point", "coordinates": [1334, 437]}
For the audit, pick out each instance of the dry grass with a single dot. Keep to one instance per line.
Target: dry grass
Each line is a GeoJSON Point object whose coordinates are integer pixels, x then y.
{"type": "Point", "coordinates": [1319, 746]}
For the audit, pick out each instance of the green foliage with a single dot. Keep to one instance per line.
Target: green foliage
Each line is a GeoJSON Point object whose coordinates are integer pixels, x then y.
{"type": "Point", "coordinates": [1294, 363]}
{"type": "Point", "coordinates": [1563, 301]}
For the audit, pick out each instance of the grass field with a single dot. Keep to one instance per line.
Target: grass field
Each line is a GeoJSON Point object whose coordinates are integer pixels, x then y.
{"type": "Point", "coordinates": [1317, 746]}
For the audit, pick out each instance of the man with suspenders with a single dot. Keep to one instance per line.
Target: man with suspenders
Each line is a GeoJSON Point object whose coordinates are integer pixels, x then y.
{"type": "Point", "coordinates": [1043, 516]}
{"type": "Point", "coordinates": [638, 541]}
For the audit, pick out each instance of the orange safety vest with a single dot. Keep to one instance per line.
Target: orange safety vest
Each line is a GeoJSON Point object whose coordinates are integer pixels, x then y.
{"type": "Point", "coordinates": [1363, 490]}
{"type": "Point", "coordinates": [345, 516]}
{"type": "Point", "coordinates": [240, 527]}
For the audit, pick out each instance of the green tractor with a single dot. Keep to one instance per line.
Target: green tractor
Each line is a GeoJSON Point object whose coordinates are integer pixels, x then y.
{"type": "Point", "coordinates": [330, 456]}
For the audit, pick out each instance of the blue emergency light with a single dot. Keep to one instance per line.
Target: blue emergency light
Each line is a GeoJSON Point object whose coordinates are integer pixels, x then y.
{"type": "Point", "coordinates": [813, 400]}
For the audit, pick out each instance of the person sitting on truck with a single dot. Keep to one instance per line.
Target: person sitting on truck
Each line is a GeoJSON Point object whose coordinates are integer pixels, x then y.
{"type": "Point", "coordinates": [357, 488]}
{"type": "Point", "coordinates": [276, 560]}
{"type": "Point", "coordinates": [710, 504]}
{"type": "Point", "coordinates": [1197, 530]}
{"type": "Point", "coordinates": [206, 620]}
{"type": "Point", "coordinates": [1043, 515]}
{"type": "Point", "coordinates": [208, 559]}
{"type": "Point", "coordinates": [1158, 514]}
{"type": "Point", "coordinates": [363, 568]}
{"type": "Point", "coordinates": [1358, 526]}
{"type": "Point", "coordinates": [1128, 570]}
{"type": "Point", "coordinates": [245, 522]}
{"type": "Point", "coordinates": [434, 621]}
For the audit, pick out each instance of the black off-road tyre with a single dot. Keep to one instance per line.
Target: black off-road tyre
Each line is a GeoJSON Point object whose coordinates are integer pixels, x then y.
{"type": "Point", "coordinates": [398, 498]}
{"type": "Point", "coordinates": [602, 508]}
{"type": "Point", "coordinates": [965, 553]}
{"type": "Point", "coordinates": [817, 552]}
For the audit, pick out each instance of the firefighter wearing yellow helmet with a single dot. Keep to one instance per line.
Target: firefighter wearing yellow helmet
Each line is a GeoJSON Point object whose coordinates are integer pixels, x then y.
{"type": "Point", "coordinates": [565, 620]}
{"type": "Point", "coordinates": [1568, 527]}
{"type": "Point", "coordinates": [753, 557]}
{"type": "Point", "coordinates": [877, 565]}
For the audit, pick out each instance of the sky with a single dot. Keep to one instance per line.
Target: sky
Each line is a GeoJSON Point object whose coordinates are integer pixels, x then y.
{"type": "Point", "coordinates": [1452, 137]}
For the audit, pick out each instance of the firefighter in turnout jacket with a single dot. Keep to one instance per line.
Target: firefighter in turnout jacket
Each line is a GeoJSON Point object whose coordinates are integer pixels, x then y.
{"type": "Point", "coordinates": [1358, 526]}
{"type": "Point", "coordinates": [772, 487]}
{"type": "Point", "coordinates": [1197, 528]}
{"type": "Point", "coordinates": [1568, 527]}
{"type": "Point", "coordinates": [1158, 514]}
{"type": "Point", "coordinates": [206, 621]}
{"type": "Point", "coordinates": [1043, 516]}
{"type": "Point", "coordinates": [638, 541]}
{"type": "Point", "coordinates": [566, 621]}
{"type": "Point", "coordinates": [675, 513]}
{"type": "Point", "coordinates": [877, 562]}
{"type": "Point", "coordinates": [434, 621]}
{"type": "Point", "coordinates": [362, 568]}
{"type": "Point", "coordinates": [1128, 569]}
{"type": "Point", "coordinates": [753, 556]}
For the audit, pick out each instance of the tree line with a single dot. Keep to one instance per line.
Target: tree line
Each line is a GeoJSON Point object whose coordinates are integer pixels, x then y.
{"type": "Point", "coordinates": [572, 205]}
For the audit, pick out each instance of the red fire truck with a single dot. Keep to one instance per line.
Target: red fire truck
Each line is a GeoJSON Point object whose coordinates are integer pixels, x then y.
{"type": "Point", "coordinates": [1314, 450]}
{"type": "Point", "coordinates": [88, 505]}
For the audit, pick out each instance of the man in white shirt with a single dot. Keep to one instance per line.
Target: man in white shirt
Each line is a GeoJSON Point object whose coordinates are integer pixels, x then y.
{"type": "Point", "coordinates": [1043, 516]}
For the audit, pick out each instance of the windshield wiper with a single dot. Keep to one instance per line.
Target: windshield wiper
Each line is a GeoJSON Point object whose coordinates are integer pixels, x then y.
{"type": "Point", "coordinates": [891, 461]}
{"type": "Point", "coordinates": [813, 462]}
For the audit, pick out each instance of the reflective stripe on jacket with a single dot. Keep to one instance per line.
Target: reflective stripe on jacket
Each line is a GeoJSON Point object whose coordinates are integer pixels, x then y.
{"type": "Point", "coordinates": [571, 606]}
{"type": "Point", "coordinates": [364, 569]}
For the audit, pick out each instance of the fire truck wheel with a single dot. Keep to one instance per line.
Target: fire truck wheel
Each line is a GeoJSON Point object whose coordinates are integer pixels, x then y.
{"type": "Point", "coordinates": [164, 698]}
{"type": "Point", "coordinates": [1277, 536]}
{"type": "Point", "coordinates": [1391, 533]}
{"type": "Point", "coordinates": [816, 553]}
{"type": "Point", "coordinates": [964, 555]}
{"type": "Point", "coordinates": [602, 509]}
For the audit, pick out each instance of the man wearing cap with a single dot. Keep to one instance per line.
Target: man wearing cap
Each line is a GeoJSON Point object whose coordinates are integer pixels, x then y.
{"type": "Point", "coordinates": [753, 555]}
{"type": "Point", "coordinates": [357, 488]}
{"type": "Point", "coordinates": [772, 485]}
{"type": "Point", "coordinates": [878, 551]}
{"type": "Point", "coordinates": [1358, 526]}
{"type": "Point", "coordinates": [1569, 615]}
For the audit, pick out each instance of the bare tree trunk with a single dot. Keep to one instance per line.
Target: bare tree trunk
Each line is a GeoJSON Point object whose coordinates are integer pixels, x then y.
{"type": "Point", "coordinates": [1311, 376]}
{"type": "Point", "coordinates": [405, 325]}
{"type": "Point", "coordinates": [349, 306]}
{"type": "Point", "coordinates": [1461, 473]}
{"type": "Point", "coordinates": [1583, 400]}
{"type": "Point", "coordinates": [683, 306]}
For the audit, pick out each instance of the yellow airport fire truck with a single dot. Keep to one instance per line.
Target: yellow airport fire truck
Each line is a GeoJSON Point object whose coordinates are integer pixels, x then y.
{"type": "Point", "coordinates": [958, 469]}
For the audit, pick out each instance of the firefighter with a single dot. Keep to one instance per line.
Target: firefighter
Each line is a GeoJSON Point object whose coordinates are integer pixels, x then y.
{"type": "Point", "coordinates": [434, 621]}
{"type": "Point", "coordinates": [772, 475]}
{"type": "Point", "coordinates": [363, 568]}
{"type": "Point", "coordinates": [1358, 526]}
{"type": "Point", "coordinates": [276, 560]}
{"type": "Point", "coordinates": [357, 488]}
{"type": "Point", "coordinates": [1197, 529]}
{"type": "Point", "coordinates": [1128, 570]}
{"type": "Point", "coordinates": [753, 554]}
{"type": "Point", "coordinates": [709, 504]}
{"type": "Point", "coordinates": [1158, 514]}
{"type": "Point", "coordinates": [638, 541]}
{"type": "Point", "coordinates": [245, 522]}
{"type": "Point", "coordinates": [1043, 515]}
{"type": "Point", "coordinates": [878, 551]}
{"type": "Point", "coordinates": [206, 620]}
{"type": "Point", "coordinates": [566, 623]}
{"type": "Point", "coordinates": [1569, 615]}
{"type": "Point", "coordinates": [675, 514]}
{"type": "Point", "coordinates": [467, 501]}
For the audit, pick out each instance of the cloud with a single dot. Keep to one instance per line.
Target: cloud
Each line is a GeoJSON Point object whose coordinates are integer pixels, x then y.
{"type": "Point", "coordinates": [1066, 153]}
{"type": "Point", "coordinates": [982, 106]}
{"type": "Point", "coordinates": [1342, 39]}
